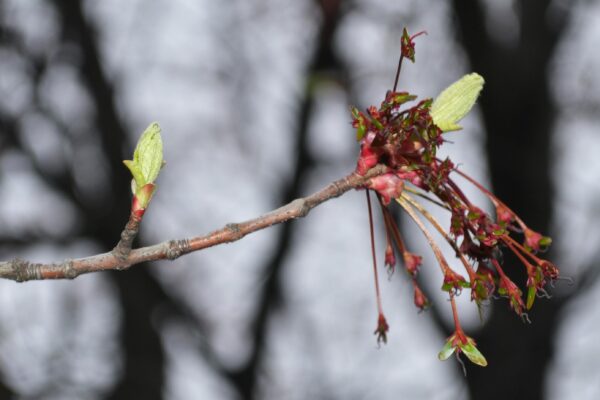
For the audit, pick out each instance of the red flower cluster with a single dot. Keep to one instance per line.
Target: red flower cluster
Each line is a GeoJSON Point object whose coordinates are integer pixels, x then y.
{"type": "Point", "coordinates": [405, 139]}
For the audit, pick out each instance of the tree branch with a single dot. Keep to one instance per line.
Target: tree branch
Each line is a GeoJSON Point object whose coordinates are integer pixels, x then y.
{"type": "Point", "coordinates": [21, 270]}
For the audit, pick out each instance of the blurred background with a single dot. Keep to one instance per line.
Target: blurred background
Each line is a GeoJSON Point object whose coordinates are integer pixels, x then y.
{"type": "Point", "coordinates": [253, 100]}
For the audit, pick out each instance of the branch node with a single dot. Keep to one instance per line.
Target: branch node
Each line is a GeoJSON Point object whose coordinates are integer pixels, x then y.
{"type": "Point", "coordinates": [122, 266]}
{"type": "Point", "coordinates": [176, 248]}
{"type": "Point", "coordinates": [69, 271]}
{"type": "Point", "coordinates": [25, 271]}
{"type": "Point", "coordinates": [233, 228]}
{"type": "Point", "coordinates": [302, 206]}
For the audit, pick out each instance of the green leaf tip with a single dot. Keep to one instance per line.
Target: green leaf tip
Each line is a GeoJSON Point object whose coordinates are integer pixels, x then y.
{"type": "Point", "coordinates": [147, 157]}
{"type": "Point", "coordinates": [456, 101]}
{"type": "Point", "coordinates": [446, 351]}
{"type": "Point", "coordinates": [473, 354]}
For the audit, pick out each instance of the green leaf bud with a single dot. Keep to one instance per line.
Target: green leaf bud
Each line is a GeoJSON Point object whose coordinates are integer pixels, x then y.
{"type": "Point", "coordinates": [456, 101]}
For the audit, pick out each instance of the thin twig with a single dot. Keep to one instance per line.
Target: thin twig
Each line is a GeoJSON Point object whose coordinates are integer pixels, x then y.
{"type": "Point", "coordinates": [22, 270]}
{"type": "Point", "coordinates": [132, 228]}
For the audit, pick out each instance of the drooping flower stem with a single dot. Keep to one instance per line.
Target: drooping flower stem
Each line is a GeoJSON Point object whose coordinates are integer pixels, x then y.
{"type": "Point", "coordinates": [428, 198]}
{"type": "Point", "coordinates": [436, 250]}
{"type": "Point", "coordinates": [398, 72]}
{"type": "Point", "coordinates": [441, 230]}
{"type": "Point", "coordinates": [457, 326]}
{"type": "Point", "coordinates": [390, 258]}
{"type": "Point", "coordinates": [516, 251]}
{"type": "Point", "coordinates": [498, 268]}
{"type": "Point", "coordinates": [375, 274]}
{"type": "Point", "coordinates": [459, 192]}
{"type": "Point", "coordinates": [382, 325]}
{"type": "Point", "coordinates": [495, 200]}
{"type": "Point", "coordinates": [514, 245]}
{"type": "Point", "coordinates": [392, 227]}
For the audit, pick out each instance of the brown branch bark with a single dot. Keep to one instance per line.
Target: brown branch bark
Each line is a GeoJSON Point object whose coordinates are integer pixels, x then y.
{"type": "Point", "coordinates": [22, 270]}
{"type": "Point", "coordinates": [132, 228]}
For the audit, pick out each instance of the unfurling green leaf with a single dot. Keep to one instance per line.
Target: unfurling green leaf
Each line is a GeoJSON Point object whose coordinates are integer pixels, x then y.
{"type": "Point", "coordinates": [531, 291]}
{"type": "Point", "coordinates": [447, 350]}
{"type": "Point", "coordinates": [138, 177]}
{"type": "Point", "coordinates": [147, 158]}
{"type": "Point", "coordinates": [473, 354]}
{"type": "Point", "coordinates": [465, 345]}
{"type": "Point", "coordinates": [545, 241]}
{"type": "Point", "coordinates": [148, 153]}
{"type": "Point", "coordinates": [456, 101]}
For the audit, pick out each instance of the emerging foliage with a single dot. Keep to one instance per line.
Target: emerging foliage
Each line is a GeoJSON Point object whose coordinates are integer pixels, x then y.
{"type": "Point", "coordinates": [146, 164]}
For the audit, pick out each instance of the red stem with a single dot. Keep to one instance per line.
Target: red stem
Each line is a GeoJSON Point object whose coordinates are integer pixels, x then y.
{"type": "Point", "coordinates": [523, 249]}
{"type": "Point", "coordinates": [391, 226]}
{"type": "Point", "coordinates": [499, 268]}
{"type": "Point", "coordinates": [526, 263]}
{"type": "Point", "coordinates": [455, 313]}
{"type": "Point", "coordinates": [496, 201]}
{"type": "Point", "coordinates": [398, 72]}
{"type": "Point", "coordinates": [438, 227]}
{"type": "Point", "coordinates": [434, 247]}
{"type": "Point", "coordinates": [377, 293]}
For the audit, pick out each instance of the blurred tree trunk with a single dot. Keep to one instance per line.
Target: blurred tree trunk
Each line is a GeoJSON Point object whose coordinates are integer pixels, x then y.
{"type": "Point", "coordinates": [324, 62]}
{"type": "Point", "coordinates": [143, 370]}
{"type": "Point", "coordinates": [519, 118]}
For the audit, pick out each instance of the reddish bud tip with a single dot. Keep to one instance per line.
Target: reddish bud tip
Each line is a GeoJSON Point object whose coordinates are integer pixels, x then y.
{"type": "Point", "coordinates": [535, 241]}
{"type": "Point", "coordinates": [514, 294]}
{"type": "Point", "coordinates": [421, 302]}
{"type": "Point", "coordinates": [136, 207]}
{"type": "Point", "coordinates": [453, 281]}
{"type": "Point", "coordinates": [504, 215]}
{"type": "Point", "coordinates": [483, 286]}
{"type": "Point", "coordinates": [368, 157]}
{"type": "Point", "coordinates": [389, 186]}
{"type": "Point", "coordinates": [532, 239]}
{"type": "Point", "coordinates": [412, 262]}
{"type": "Point", "coordinates": [382, 329]}
{"type": "Point", "coordinates": [373, 111]}
{"type": "Point", "coordinates": [549, 270]}
{"type": "Point", "coordinates": [390, 257]}
{"type": "Point", "coordinates": [407, 46]}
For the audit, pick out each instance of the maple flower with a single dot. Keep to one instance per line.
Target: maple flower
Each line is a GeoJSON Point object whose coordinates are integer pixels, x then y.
{"type": "Point", "coordinates": [459, 342]}
{"type": "Point", "coordinates": [420, 300]}
{"type": "Point", "coordinates": [404, 135]}
{"type": "Point", "coordinates": [412, 262]}
{"type": "Point", "coordinates": [382, 329]}
{"type": "Point", "coordinates": [390, 257]}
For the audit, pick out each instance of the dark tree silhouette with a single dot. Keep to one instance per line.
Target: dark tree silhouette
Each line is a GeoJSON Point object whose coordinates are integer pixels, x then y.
{"type": "Point", "coordinates": [519, 117]}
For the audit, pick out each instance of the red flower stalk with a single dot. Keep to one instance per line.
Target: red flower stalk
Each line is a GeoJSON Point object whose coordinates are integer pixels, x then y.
{"type": "Point", "coordinates": [382, 326]}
